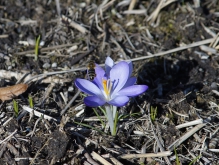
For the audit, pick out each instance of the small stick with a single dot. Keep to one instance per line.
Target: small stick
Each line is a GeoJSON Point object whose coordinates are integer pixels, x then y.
{"type": "Point", "coordinates": [38, 114]}
{"type": "Point", "coordinates": [9, 137]}
{"type": "Point", "coordinates": [207, 41]}
{"type": "Point", "coordinates": [186, 136]}
{"type": "Point", "coordinates": [194, 122]}
{"type": "Point", "coordinates": [89, 159]}
{"type": "Point", "coordinates": [100, 159]}
{"type": "Point", "coordinates": [74, 24]}
{"type": "Point", "coordinates": [70, 102]}
{"type": "Point", "coordinates": [75, 60]}
{"type": "Point", "coordinates": [132, 4]}
{"type": "Point", "coordinates": [148, 155]}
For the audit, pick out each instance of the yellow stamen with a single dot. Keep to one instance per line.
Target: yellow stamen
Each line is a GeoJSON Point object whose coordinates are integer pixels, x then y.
{"type": "Point", "coordinates": [105, 87]}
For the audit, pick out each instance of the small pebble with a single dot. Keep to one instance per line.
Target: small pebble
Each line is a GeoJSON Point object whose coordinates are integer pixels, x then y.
{"type": "Point", "coordinates": [214, 85]}
{"type": "Point", "coordinates": [9, 67]}
{"type": "Point", "coordinates": [70, 89]}
{"type": "Point", "coordinates": [54, 65]}
{"type": "Point", "coordinates": [46, 65]}
{"type": "Point", "coordinates": [8, 63]}
{"type": "Point", "coordinates": [2, 115]}
{"type": "Point", "coordinates": [42, 43]}
{"type": "Point", "coordinates": [13, 64]}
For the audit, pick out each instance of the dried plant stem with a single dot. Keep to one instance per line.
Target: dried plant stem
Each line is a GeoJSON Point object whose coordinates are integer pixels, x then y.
{"type": "Point", "coordinates": [29, 78]}
{"type": "Point", "coordinates": [75, 25]}
{"type": "Point", "coordinates": [115, 161]}
{"type": "Point", "coordinates": [162, 4]}
{"type": "Point", "coordinates": [70, 102]}
{"type": "Point", "coordinates": [89, 159]}
{"type": "Point", "coordinates": [148, 155]}
{"type": "Point", "coordinates": [207, 41]}
{"type": "Point", "coordinates": [9, 137]}
{"type": "Point", "coordinates": [100, 159]}
{"type": "Point", "coordinates": [186, 136]}
{"type": "Point", "coordinates": [157, 139]}
{"type": "Point", "coordinates": [194, 122]}
{"type": "Point", "coordinates": [38, 114]}
{"type": "Point", "coordinates": [132, 4]}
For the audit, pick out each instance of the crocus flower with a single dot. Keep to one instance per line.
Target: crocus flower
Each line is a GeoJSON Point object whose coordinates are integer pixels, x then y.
{"type": "Point", "coordinates": [113, 86]}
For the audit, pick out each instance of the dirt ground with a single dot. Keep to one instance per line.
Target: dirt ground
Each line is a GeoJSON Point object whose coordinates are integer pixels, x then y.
{"type": "Point", "coordinates": [174, 48]}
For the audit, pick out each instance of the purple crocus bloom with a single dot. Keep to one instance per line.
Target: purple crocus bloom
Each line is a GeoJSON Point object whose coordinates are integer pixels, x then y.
{"type": "Point", "coordinates": [113, 86]}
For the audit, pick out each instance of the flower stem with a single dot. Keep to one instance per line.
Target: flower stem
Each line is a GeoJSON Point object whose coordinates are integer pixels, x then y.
{"type": "Point", "coordinates": [109, 115]}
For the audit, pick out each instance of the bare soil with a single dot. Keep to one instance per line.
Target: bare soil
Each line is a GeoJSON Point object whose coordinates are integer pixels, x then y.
{"type": "Point", "coordinates": [183, 84]}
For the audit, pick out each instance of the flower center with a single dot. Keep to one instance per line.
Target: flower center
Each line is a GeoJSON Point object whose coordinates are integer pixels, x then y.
{"type": "Point", "coordinates": [107, 86]}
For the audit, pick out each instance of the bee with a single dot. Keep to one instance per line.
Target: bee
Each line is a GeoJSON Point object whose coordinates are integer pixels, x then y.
{"type": "Point", "coordinates": [91, 70]}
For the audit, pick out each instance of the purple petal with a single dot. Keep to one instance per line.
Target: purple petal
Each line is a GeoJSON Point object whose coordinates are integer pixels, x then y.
{"type": "Point", "coordinates": [99, 70]}
{"type": "Point", "coordinates": [93, 101]}
{"type": "Point", "coordinates": [119, 101]}
{"type": "Point", "coordinates": [100, 74]}
{"type": "Point", "coordinates": [109, 63]}
{"type": "Point", "coordinates": [131, 81]}
{"type": "Point", "coordinates": [119, 75]}
{"type": "Point", "coordinates": [133, 90]}
{"type": "Point", "coordinates": [88, 87]}
{"type": "Point", "coordinates": [130, 68]}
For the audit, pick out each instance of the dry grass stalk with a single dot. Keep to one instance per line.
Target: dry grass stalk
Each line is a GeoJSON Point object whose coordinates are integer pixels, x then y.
{"type": "Point", "coordinates": [132, 4]}
{"type": "Point", "coordinates": [38, 114]}
{"type": "Point", "coordinates": [162, 4]}
{"type": "Point", "coordinates": [12, 149]}
{"type": "Point", "coordinates": [8, 74]}
{"type": "Point", "coordinates": [48, 92]}
{"type": "Point", "coordinates": [103, 7]}
{"type": "Point", "coordinates": [209, 31]}
{"type": "Point", "coordinates": [148, 155]}
{"type": "Point", "coordinates": [90, 160]}
{"type": "Point", "coordinates": [158, 138]}
{"type": "Point", "coordinates": [74, 24]}
{"type": "Point", "coordinates": [9, 137]}
{"type": "Point", "coordinates": [194, 122]}
{"type": "Point", "coordinates": [70, 102]}
{"type": "Point", "coordinates": [4, 36]}
{"type": "Point", "coordinates": [208, 50]}
{"type": "Point", "coordinates": [140, 11]}
{"type": "Point", "coordinates": [186, 136]}
{"type": "Point", "coordinates": [207, 41]}
{"type": "Point", "coordinates": [100, 159]}
{"type": "Point", "coordinates": [115, 161]}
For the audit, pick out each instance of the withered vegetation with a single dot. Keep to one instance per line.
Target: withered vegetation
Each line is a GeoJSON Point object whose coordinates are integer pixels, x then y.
{"type": "Point", "coordinates": [174, 48]}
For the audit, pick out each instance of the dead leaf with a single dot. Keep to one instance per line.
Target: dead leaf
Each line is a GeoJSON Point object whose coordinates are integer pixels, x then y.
{"type": "Point", "coordinates": [7, 93]}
